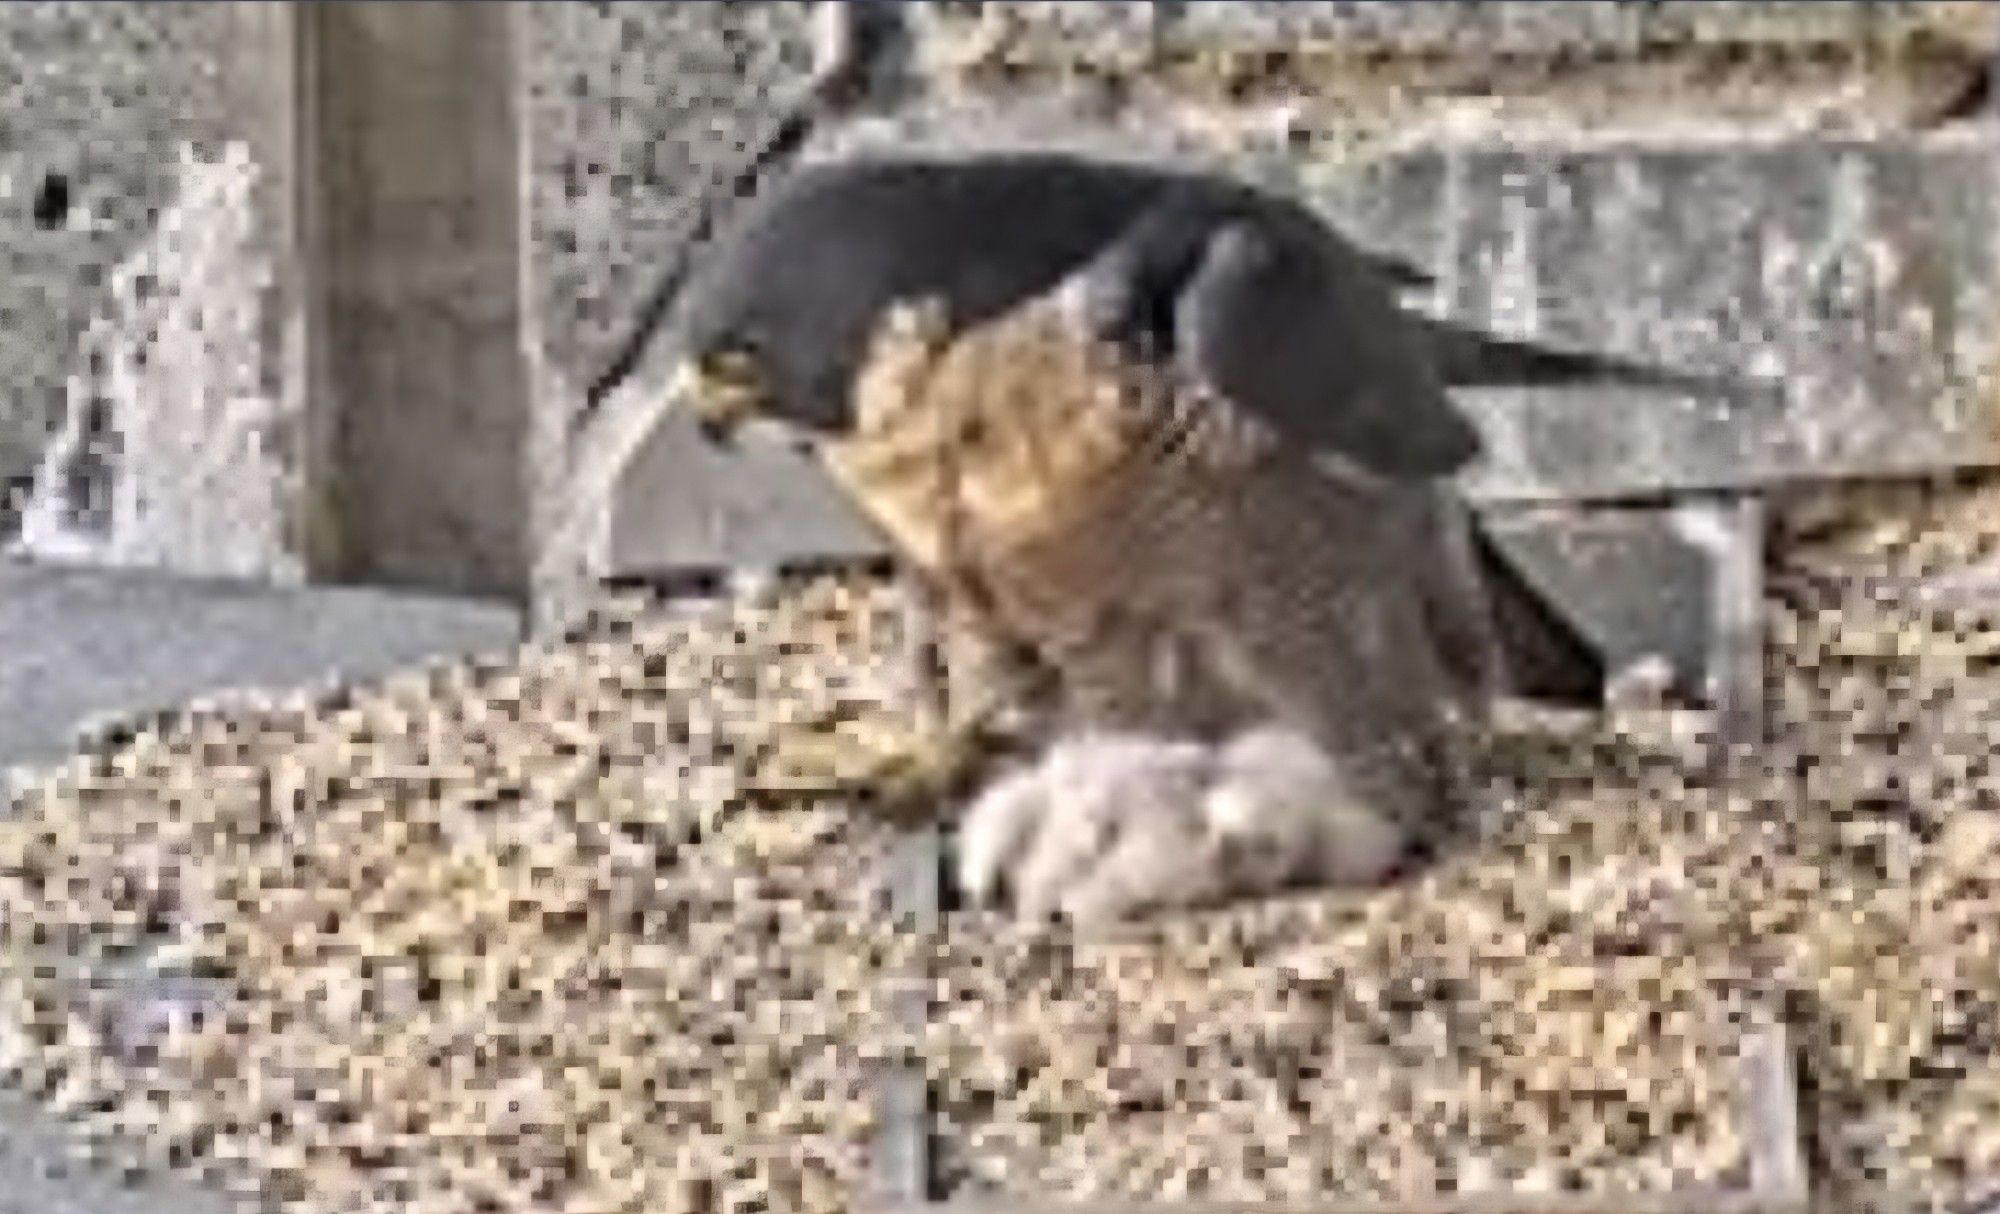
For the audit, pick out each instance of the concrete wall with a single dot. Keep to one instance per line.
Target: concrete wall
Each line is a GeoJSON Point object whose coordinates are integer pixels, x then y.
{"type": "Point", "coordinates": [297, 352]}
{"type": "Point", "coordinates": [100, 99]}
{"type": "Point", "coordinates": [409, 168]}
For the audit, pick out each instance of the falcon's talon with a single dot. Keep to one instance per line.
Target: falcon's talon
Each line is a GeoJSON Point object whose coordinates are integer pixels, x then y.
{"type": "Point", "coordinates": [899, 767]}
{"type": "Point", "coordinates": [928, 767]}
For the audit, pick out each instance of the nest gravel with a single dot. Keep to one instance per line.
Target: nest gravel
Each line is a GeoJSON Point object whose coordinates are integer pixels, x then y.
{"type": "Point", "coordinates": [530, 932]}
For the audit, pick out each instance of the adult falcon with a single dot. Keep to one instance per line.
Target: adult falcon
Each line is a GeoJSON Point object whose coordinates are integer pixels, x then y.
{"type": "Point", "coordinates": [1168, 433]}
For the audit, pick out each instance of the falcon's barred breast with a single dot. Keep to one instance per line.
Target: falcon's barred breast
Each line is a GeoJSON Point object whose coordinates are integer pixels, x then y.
{"type": "Point", "coordinates": [1185, 568]}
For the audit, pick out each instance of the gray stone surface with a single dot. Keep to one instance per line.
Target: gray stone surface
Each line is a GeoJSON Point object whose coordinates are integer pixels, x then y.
{"type": "Point", "coordinates": [39, 1176]}
{"type": "Point", "coordinates": [77, 643]}
{"type": "Point", "coordinates": [632, 110]}
{"type": "Point", "coordinates": [413, 248]}
{"type": "Point", "coordinates": [1051, 30]}
{"type": "Point", "coordinates": [1840, 297]}
{"type": "Point", "coordinates": [682, 504]}
{"type": "Point", "coordinates": [1546, 28]}
{"type": "Point", "coordinates": [99, 94]}
{"type": "Point", "coordinates": [1630, 582]}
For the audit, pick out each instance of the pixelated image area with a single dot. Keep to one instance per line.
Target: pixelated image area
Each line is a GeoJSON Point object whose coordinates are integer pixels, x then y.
{"type": "Point", "coordinates": [526, 931]}
{"type": "Point", "coordinates": [468, 931]}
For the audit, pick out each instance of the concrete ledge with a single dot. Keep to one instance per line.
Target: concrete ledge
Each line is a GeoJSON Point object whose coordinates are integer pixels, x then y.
{"type": "Point", "coordinates": [75, 643]}
{"type": "Point", "coordinates": [681, 504]}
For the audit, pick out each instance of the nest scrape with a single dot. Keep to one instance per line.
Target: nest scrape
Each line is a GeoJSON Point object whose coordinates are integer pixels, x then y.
{"type": "Point", "coordinates": [516, 934]}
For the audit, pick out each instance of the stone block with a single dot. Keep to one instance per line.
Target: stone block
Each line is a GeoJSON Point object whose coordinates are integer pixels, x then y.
{"type": "Point", "coordinates": [1048, 34]}
{"type": "Point", "coordinates": [79, 643]}
{"type": "Point", "coordinates": [1802, 308]}
{"type": "Point", "coordinates": [1631, 582]}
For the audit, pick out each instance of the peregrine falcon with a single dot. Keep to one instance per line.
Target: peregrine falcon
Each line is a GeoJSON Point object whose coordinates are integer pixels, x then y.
{"type": "Point", "coordinates": [1252, 291]}
{"type": "Point", "coordinates": [1168, 434]}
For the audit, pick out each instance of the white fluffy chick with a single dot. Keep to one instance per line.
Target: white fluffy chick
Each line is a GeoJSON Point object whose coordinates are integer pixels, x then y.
{"type": "Point", "coordinates": [1102, 827]}
{"type": "Point", "coordinates": [1108, 826]}
{"type": "Point", "coordinates": [1283, 813]}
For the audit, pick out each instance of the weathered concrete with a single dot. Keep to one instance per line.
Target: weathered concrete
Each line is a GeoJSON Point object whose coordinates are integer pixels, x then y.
{"type": "Point", "coordinates": [1633, 583]}
{"type": "Point", "coordinates": [1546, 28]}
{"type": "Point", "coordinates": [682, 504]}
{"type": "Point", "coordinates": [411, 222]}
{"type": "Point", "coordinates": [76, 643]}
{"type": "Point", "coordinates": [1840, 296]}
{"type": "Point", "coordinates": [95, 97]}
{"type": "Point", "coordinates": [1423, 71]}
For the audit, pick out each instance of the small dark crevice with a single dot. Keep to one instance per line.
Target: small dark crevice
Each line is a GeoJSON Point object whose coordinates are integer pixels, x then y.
{"type": "Point", "coordinates": [1973, 99]}
{"type": "Point", "coordinates": [51, 201]}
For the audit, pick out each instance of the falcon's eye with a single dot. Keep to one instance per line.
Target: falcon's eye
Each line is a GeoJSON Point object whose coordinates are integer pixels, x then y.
{"type": "Point", "coordinates": [731, 369]}
{"type": "Point", "coordinates": [724, 387]}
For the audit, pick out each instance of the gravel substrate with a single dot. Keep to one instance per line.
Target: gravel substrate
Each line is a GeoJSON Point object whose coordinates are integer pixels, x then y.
{"type": "Point", "coordinates": [514, 935]}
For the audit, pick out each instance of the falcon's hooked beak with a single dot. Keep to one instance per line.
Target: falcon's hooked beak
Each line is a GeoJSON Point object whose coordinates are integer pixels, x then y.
{"type": "Point", "coordinates": [723, 389]}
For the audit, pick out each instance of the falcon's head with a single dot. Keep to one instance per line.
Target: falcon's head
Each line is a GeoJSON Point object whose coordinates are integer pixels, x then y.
{"type": "Point", "coordinates": [723, 388]}
{"type": "Point", "coordinates": [733, 351]}
{"type": "Point", "coordinates": [773, 327]}
{"type": "Point", "coordinates": [779, 320]}
{"type": "Point", "coordinates": [757, 347]}
{"type": "Point", "coordinates": [760, 356]}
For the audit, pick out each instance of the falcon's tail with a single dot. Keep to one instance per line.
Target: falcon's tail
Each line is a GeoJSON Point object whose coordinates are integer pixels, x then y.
{"type": "Point", "coordinates": [1548, 659]}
